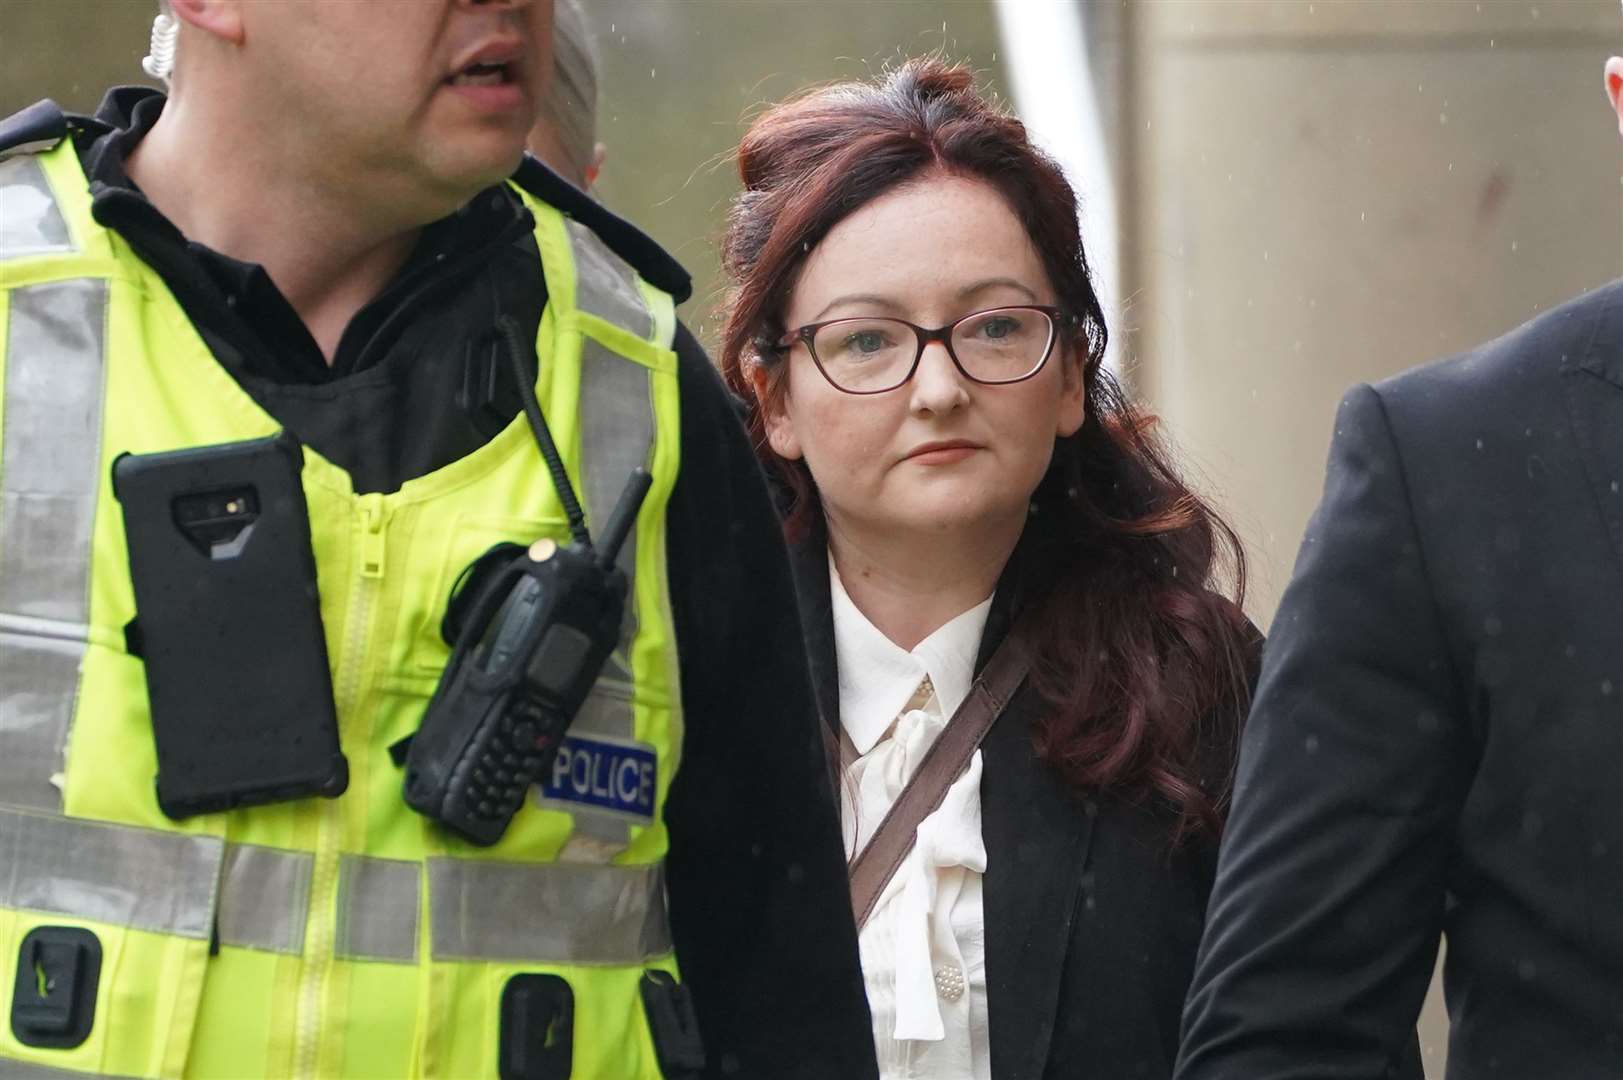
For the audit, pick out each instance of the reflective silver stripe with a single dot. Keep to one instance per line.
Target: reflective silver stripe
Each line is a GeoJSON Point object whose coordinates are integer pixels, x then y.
{"type": "Point", "coordinates": [617, 436]}
{"type": "Point", "coordinates": [551, 913]}
{"type": "Point", "coordinates": [118, 874]}
{"type": "Point", "coordinates": [30, 221]}
{"type": "Point", "coordinates": [264, 898]}
{"type": "Point", "coordinates": [604, 285]}
{"type": "Point", "coordinates": [616, 401]}
{"type": "Point", "coordinates": [378, 901]}
{"type": "Point", "coordinates": [50, 469]}
{"type": "Point", "coordinates": [35, 146]}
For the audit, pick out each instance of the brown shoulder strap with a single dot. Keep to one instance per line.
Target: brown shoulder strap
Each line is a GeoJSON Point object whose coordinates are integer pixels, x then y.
{"type": "Point", "coordinates": [943, 764]}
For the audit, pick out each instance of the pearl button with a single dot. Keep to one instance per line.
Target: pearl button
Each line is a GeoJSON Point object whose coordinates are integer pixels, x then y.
{"type": "Point", "coordinates": [921, 695]}
{"type": "Point", "coordinates": [949, 983]}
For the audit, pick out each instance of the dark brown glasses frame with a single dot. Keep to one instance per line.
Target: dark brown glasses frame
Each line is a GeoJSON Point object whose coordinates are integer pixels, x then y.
{"type": "Point", "coordinates": [1057, 320]}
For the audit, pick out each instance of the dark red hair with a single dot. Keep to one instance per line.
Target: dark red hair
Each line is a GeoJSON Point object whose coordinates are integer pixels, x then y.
{"type": "Point", "coordinates": [1140, 658]}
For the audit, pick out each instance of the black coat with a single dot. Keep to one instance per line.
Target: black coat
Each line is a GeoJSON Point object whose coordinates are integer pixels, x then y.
{"type": "Point", "coordinates": [1092, 920]}
{"type": "Point", "coordinates": [1437, 741]}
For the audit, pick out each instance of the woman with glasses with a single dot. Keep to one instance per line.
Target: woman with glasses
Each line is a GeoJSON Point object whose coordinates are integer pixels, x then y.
{"type": "Point", "coordinates": [914, 329]}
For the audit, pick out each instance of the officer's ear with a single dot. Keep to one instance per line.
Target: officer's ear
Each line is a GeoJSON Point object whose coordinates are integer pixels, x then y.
{"type": "Point", "coordinates": [1614, 86]}
{"type": "Point", "coordinates": [217, 18]}
{"type": "Point", "coordinates": [595, 169]}
{"type": "Point", "coordinates": [780, 430]}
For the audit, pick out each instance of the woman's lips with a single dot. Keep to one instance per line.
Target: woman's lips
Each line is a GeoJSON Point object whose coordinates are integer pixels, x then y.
{"type": "Point", "coordinates": [941, 453]}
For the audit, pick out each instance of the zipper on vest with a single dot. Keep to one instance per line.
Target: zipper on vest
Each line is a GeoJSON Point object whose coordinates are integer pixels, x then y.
{"type": "Point", "coordinates": [373, 519]}
{"type": "Point", "coordinates": [347, 688]}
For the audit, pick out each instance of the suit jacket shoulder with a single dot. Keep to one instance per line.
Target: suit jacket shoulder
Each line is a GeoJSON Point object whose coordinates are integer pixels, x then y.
{"type": "Point", "coordinates": [1431, 745]}
{"type": "Point", "coordinates": [1453, 393]}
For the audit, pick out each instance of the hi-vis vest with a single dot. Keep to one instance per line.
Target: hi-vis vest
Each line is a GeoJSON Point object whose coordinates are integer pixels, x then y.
{"type": "Point", "coordinates": [322, 937]}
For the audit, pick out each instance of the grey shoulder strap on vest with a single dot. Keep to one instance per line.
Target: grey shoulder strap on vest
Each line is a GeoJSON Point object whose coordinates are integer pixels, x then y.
{"type": "Point", "coordinates": [37, 128]}
{"type": "Point", "coordinates": [50, 471]}
{"type": "Point", "coordinates": [618, 428]}
{"type": "Point", "coordinates": [943, 764]}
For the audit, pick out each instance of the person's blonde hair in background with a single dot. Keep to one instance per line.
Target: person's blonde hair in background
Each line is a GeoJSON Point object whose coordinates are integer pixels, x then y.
{"type": "Point", "coordinates": [565, 137]}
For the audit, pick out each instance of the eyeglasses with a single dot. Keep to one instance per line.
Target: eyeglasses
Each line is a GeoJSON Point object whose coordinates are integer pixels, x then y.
{"type": "Point", "coordinates": [873, 355]}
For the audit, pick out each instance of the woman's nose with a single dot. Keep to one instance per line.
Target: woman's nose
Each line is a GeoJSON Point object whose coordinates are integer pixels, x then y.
{"type": "Point", "coordinates": [938, 385]}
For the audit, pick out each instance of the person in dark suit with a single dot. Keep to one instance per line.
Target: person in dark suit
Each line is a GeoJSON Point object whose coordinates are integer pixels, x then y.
{"type": "Point", "coordinates": [1436, 746]}
{"type": "Point", "coordinates": [946, 488]}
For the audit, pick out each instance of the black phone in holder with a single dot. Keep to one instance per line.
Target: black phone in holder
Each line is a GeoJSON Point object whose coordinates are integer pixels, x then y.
{"type": "Point", "coordinates": [228, 621]}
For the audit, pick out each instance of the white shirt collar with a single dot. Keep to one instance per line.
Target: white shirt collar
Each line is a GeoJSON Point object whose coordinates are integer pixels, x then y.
{"type": "Point", "coordinates": [878, 676]}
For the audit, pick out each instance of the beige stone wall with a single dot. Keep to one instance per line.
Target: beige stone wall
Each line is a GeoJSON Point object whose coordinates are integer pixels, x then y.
{"type": "Point", "coordinates": [1327, 193]}
{"type": "Point", "coordinates": [1321, 194]}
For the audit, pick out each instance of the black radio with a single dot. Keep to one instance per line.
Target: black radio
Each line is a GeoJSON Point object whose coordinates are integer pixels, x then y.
{"type": "Point", "coordinates": [533, 641]}
{"type": "Point", "coordinates": [529, 630]}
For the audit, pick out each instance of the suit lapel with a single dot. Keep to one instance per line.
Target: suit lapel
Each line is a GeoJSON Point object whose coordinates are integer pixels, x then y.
{"type": "Point", "coordinates": [1593, 382]}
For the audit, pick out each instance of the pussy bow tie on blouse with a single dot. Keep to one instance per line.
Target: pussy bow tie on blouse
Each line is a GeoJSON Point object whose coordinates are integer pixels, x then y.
{"type": "Point", "coordinates": [921, 903]}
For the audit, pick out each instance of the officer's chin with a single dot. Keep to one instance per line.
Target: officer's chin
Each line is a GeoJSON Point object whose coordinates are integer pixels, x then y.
{"type": "Point", "coordinates": [459, 180]}
{"type": "Point", "coordinates": [499, 169]}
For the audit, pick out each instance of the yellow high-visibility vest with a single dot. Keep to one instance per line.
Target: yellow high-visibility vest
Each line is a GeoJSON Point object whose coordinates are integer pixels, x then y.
{"type": "Point", "coordinates": [352, 937]}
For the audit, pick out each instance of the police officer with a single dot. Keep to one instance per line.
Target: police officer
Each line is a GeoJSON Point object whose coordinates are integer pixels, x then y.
{"type": "Point", "coordinates": [316, 230]}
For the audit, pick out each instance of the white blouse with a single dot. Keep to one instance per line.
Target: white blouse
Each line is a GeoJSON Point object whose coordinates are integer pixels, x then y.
{"type": "Point", "coordinates": [923, 950]}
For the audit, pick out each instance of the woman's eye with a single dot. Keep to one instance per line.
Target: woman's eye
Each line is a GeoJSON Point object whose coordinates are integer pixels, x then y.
{"type": "Point", "coordinates": [866, 341]}
{"type": "Point", "coordinates": [1000, 326]}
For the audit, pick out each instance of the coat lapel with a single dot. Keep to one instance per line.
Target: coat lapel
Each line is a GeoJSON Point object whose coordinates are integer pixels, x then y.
{"type": "Point", "coordinates": [1037, 839]}
{"type": "Point", "coordinates": [1593, 381]}
{"type": "Point", "coordinates": [1037, 836]}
